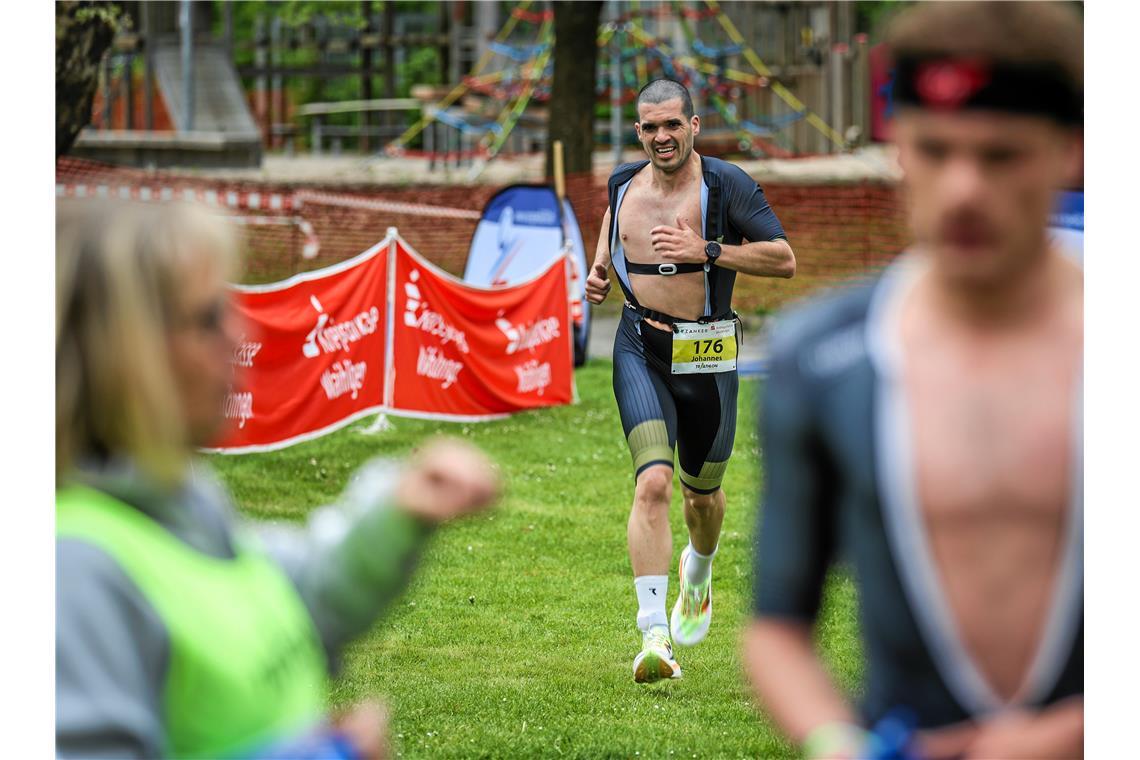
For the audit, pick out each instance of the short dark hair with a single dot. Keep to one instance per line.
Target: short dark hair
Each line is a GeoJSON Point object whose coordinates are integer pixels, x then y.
{"type": "Point", "coordinates": [660, 90]}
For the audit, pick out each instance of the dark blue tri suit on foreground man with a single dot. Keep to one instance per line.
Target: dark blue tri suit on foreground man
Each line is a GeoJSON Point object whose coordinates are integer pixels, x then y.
{"type": "Point", "coordinates": [926, 428]}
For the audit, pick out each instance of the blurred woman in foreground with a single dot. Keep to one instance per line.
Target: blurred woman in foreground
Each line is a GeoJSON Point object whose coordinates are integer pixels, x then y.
{"type": "Point", "coordinates": [179, 632]}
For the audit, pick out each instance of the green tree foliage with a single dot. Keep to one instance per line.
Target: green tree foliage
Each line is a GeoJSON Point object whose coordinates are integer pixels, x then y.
{"type": "Point", "coordinates": [300, 21]}
{"type": "Point", "coordinates": [83, 34]}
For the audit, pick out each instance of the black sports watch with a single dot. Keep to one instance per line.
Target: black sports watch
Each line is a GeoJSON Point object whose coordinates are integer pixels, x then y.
{"type": "Point", "coordinates": [712, 250]}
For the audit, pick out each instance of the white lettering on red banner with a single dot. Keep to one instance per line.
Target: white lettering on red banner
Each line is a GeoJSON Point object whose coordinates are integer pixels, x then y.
{"type": "Point", "coordinates": [244, 353]}
{"type": "Point", "coordinates": [331, 336]}
{"type": "Point", "coordinates": [316, 358]}
{"type": "Point", "coordinates": [533, 376]}
{"type": "Point", "coordinates": [239, 406]}
{"type": "Point", "coordinates": [524, 324]}
{"type": "Point", "coordinates": [443, 357]}
{"type": "Point", "coordinates": [527, 337]}
{"type": "Point", "coordinates": [343, 377]}
{"type": "Point", "coordinates": [431, 363]}
{"type": "Point", "coordinates": [417, 315]}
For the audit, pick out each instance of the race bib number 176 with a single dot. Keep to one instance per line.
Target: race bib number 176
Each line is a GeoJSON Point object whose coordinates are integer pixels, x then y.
{"type": "Point", "coordinates": [702, 348]}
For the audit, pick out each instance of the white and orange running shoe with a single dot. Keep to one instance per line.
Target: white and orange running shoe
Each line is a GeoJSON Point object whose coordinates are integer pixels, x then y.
{"type": "Point", "coordinates": [655, 661]}
{"type": "Point", "coordinates": [692, 613]}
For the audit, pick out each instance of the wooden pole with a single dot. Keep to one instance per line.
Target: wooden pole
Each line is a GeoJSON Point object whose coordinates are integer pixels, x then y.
{"type": "Point", "coordinates": [559, 175]}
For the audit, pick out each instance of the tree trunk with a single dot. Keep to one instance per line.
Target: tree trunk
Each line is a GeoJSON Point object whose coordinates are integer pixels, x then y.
{"type": "Point", "coordinates": [572, 96]}
{"type": "Point", "coordinates": [83, 33]}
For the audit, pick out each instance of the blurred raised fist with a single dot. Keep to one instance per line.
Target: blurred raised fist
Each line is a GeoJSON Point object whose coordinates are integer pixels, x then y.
{"type": "Point", "coordinates": [445, 479]}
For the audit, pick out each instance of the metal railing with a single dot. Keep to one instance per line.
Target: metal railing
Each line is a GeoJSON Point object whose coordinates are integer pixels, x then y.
{"type": "Point", "coordinates": [319, 131]}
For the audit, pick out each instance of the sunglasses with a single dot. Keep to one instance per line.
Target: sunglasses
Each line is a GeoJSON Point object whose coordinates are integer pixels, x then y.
{"type": "Point", "coordinates": [209, 318]}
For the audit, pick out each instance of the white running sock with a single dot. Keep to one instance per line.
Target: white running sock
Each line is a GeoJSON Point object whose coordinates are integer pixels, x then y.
{"type": "Point", "coordinates": [651, 592]}
{"type": "Point", "coordinates": [698, 566]}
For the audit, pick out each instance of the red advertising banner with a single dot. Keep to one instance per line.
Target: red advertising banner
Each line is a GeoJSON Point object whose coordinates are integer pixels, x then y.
{"type": "Point", "coordinates": [314, 354]}
{"type": "Point", "coordinates": [312, 358]}
{"type": "Point", "coordinates": [464, 352]}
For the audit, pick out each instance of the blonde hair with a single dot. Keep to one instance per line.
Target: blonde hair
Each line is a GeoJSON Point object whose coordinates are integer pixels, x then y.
{"type": "Point", "coordinates": [118, 269]}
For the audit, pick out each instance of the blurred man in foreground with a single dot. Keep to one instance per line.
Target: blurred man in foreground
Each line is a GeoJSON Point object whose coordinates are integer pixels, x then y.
{"type": "Point", "coordinates": [926, 428]}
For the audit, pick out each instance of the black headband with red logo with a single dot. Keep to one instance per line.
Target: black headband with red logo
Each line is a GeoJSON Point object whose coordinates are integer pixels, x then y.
{"type": "Point", "coordinates": [953, 84]}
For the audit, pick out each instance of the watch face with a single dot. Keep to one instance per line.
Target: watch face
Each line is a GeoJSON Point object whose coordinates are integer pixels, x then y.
{"type": "Point", "coordinates": [712, 249]}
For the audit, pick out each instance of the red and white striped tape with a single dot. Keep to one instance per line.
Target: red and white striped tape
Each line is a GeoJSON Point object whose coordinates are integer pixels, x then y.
{"type": "Point", "coordinates": [257, 201]}
{"type": "Point", "coordinates": [229, 198]}
{"type": "Point", "coordinates": [311, 244]}
{"type": "Point", "coordinates": [378, 204]}
{"type": "Point", "coordinates": [262, 202]}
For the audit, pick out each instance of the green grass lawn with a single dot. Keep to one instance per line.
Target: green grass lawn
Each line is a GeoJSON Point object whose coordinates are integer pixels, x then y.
{"type": "Point", "coordinates": [517, 635]}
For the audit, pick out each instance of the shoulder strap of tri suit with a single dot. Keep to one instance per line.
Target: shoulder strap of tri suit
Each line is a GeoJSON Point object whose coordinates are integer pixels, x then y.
{"type": "Point", "coordinates": [619, 177]}
{"type": "Point", "coordinates": [625, 172]}
{"type": "Point", "coordinates": [713, 227]}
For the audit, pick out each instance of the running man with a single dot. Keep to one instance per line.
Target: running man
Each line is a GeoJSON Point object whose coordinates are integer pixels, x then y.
{"type": "Point", "coordinates": [675, 233]}
{"type": "Point", "coordinates": [926, 427]}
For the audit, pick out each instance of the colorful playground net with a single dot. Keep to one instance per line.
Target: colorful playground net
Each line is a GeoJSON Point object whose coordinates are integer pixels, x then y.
{"type": "Point", "coordinates": [516, 70]}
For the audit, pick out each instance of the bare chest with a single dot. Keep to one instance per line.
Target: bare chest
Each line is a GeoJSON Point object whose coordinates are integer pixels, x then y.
{"type": "Point", "coordinates": [682, 295]}
{"type": "Point", "coordinates": [993, 444]}
{"type": "Point", "coordinates": [993, 437]}
{"type": "Point", "coordinates": [641, 211]}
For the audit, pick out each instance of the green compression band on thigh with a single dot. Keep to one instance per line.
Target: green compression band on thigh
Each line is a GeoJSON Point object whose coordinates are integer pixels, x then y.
{"type": "Point", "coordinates": [649, 442]}
{"type": "Point", "coordinates": [712, 473]}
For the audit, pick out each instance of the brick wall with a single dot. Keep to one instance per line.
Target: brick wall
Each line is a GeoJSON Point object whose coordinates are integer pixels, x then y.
{"type": "Point", "coordinates": [838, 231]}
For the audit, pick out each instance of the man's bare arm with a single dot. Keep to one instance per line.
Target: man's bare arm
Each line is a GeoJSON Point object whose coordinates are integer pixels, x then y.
{"type": "Point", "coordinates": [789, 680]}
{"type": "Point", "coordinates": [774, 258]}
{"type": "Point", "coordinates": [598, 280]}
{"type": "Point", "coordinates": [682, 244]}
{"type": "Point", "coordinates": [602, 250]}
